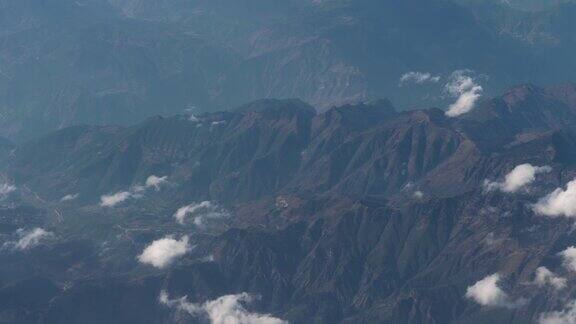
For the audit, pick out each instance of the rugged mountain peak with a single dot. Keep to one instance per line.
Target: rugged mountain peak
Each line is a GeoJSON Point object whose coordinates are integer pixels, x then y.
{"type": "Point", "coordinates": [566, 92]}
{"type": "Point", "coordinates": [277, 105]}
{"type": "Point", "coordinates": [522, 92]}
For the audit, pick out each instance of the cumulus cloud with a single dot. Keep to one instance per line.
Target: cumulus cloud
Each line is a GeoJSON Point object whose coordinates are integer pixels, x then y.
{"type": "Point", "coordinates": [559, 202]}
{"type": "Point", "coordinates": [223, 310]}
{"type": "Point", "coordinates": [569, 258]}
{"type": "Point", "coordinates": [200, 213]}
{"type": "Point", "coordinates": [486, 292]}
{"type": "Point", "coordinates": [418, 194]}
{"type": "Point", "coordinates": [161, 253]}
{"type": "Point", "coordinates": [137, 191]}
{"type": "Point", "coordinates": [69, 197]}
{"type": "Point", "coordinates": [155, 182]}
{"type": "Point", "coordinates": [6, 189]}
{"type": "Point", "coordinates": [521, 176]}
{"type": "Point", "coordinates": [418, 78]}
{"type": "Point", "coordinates": [463, 87]}
{"type": "Point", "coordinates": [546, 277]}
{"type": "Point", "coordinates": [28, 239]}
{"type": "Point", "coordinates": [114, 199]}
{"type": "Point", "coordinates": [565, 316]}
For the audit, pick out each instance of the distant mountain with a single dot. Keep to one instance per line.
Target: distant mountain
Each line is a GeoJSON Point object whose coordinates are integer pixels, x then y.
{"type": "Point", "coordinates": [101, 62]}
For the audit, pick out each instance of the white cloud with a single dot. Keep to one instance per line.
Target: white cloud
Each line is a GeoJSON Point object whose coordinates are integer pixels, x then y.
{"type": "Point", "coordinates": [520, 176]}
{"type": "Point", "coordinates": [569, 258]}
{"type": "Point", "coordinates": [155, 181]}
{"type": "Point", "coordinates": [565, 316]}
{"type": "Point", "coordinates": [227, 309]}
{"type": "Point", "coordinates": [69, 197]}
{"type": "Point", "coordinates": [200, 213]}
{"type": "Point", "coordinates": [114, 199]}
{"type": "Point", "coordinates": [137, 191]}
{"type": "Point", "coordinates": [161, 253]}
{"type": "Point", "coordinates": [465, 89]}
{"type": "Point", "coordinates": [418, 194]}
{"type": "Point", "coordinates": [559, 202]}
{"type": "Point", "coordinates": [546, 277]}
{"type": "Point", "coordinates": [6, 189]}
{"type": "Point", "coordinates": [28, 239]}
{"type": "Point", "coordinates": [418, 78]}
{"type": "Point", "coordinates": [486, 292]}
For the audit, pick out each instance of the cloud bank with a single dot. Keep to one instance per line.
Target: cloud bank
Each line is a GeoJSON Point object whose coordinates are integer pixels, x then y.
{"type": "Point", "coordinates": [559, 202]}
{"type": "Point", "coordinates": [546, 277]}
{"type": "Point", "coordinates": [521, 176]}
{"type": "Point", "coordinates": [163, 252]}
{"type": "Point", "coordinates": [418, 78]}
{"type": "Point", "coordinates": [223, 310]}
{"type": "Point", "coordinates": [486, 292]}
{"type": "Point", "coordinates": [466, 91]}
{"type": "Point", "coordinates": [200, 213]}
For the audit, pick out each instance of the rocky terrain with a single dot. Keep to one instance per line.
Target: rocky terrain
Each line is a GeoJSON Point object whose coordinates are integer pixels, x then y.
{"type": "Point", "coordinates": [362, 213]}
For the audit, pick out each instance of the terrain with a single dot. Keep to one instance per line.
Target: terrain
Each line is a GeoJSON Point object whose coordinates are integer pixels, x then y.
{"type": "Point", "coordinates": [100, 62]}
{"type": "Point", "coordinates": [361, 213]}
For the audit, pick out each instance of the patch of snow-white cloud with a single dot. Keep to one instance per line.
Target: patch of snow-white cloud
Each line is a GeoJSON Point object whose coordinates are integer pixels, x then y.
{"type": "Point", "coordinates": [6, 189]}
{"type": "Point", "coordinates": [137, 191]}
{"type": "Point", "coordinates": [156, 182]}
{"type": "Point", "coordinates": [465, 89]}
{"type": "Point", "coordinates": [565, 316]}
{"type": "Point", "coordinates": [521, 176]}
{"type": "Point", "coordinates": [69, 197]}
{"type": "Point", "coordinates": [487, 292]}
{"type": "Point", "coordinates": [28, 239]}
{"type": "Point", "coordinates": [560, 202]}
{"type": "Point", "coordinates": [200, 213]}
{"type": "Point", "coordinates": [546, 277]}
{"type": "Point", "coordinates": [163, 252]}
{"type": "Point", "coordinates": [569, 258]}
{"type": "Point", "coordinates": [115, 199]}
{"type": "Point", "coordinates": [229, 309]}
{"type": "Point", "coordinates": [418, 78]}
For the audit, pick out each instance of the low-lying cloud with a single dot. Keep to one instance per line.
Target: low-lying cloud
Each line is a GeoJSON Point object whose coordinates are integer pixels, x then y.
{"type": "Point", "coordinates": [546, 277]}
{"type": "Point", "coordinates": [466, 91]}
{"type": "Point", "coordinates": [163, 252]}
{"type": "Point", "coordinates": [565, 316]}
{"type": "Point", "coordinates": [559, 202]}
{"type": "Point", "coordinates": [156, 182]}
{"type": "Point", "coordinates": [135, 192]}
{"type": "Point", "coordinates": [28, 239]}
{"type": "Point", "coordinates": [418, 78]}
{"type": "Point", "coordinates": [69, 197]}
{"type": "Point", "coordinates": [115, 199]}
{"type": "Point", "coordinates": [569, 258]}
{"type": "Point", "coordinates": [521, 176]}
{"type": "Point", "coordinates": [223, 310]}
{"type": "Point", "coordinates": [200, 213]}
{"type": "Point", "coordinates": [486, 292]}
{"type": "Point", "coordinates": [6, 189]}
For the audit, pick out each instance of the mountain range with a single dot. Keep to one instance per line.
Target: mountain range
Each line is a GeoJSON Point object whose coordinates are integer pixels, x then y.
{"type": "Point", "coordinates": [101, 62]}
{"type": "Point", "coordinates": [361, 213]}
